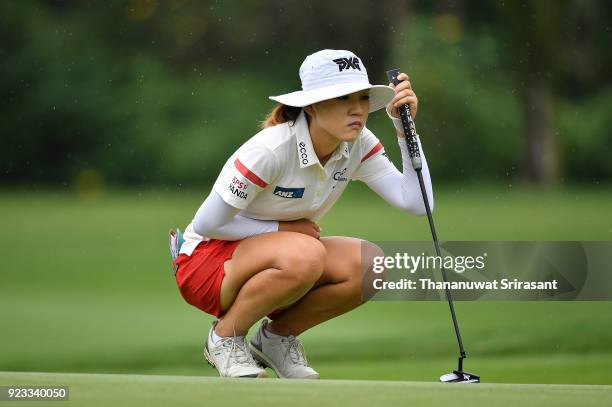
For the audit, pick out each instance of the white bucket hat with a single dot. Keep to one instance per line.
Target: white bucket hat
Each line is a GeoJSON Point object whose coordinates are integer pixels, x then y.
{"type": "Point", "coordinates": [331, 73]}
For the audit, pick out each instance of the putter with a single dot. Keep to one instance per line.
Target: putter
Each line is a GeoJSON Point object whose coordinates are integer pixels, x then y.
{"type": "Point", "coordinates": [457, 376]}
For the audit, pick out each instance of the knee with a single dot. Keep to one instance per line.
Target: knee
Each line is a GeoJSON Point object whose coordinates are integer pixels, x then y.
{"type": "Point", "coordinates": [357, 270]}
{"type": "Point", "coordinates": [358, 262]}
{"type": "Point", "coordinates": [371, 269]}
{"type": "Point", "coordinates": [371, 255]}
{"type": "Point", "coordinates": [304, 260]}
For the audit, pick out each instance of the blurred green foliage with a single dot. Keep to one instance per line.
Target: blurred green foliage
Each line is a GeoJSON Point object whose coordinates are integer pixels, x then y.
{"type": "Point", "coordinates": [161, 92]}
{"type": "Point", "coordinates": [468, 114]}
{"type": "Point", "coordinates": [585, 132]}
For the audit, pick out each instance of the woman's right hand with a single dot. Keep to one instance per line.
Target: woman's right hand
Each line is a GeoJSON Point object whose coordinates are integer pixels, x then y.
{"type": "Point", "coordinates": [304, 226]}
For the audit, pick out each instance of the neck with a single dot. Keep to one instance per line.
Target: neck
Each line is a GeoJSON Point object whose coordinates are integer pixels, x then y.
{"type": "Point", "coordinates": [324, 143]}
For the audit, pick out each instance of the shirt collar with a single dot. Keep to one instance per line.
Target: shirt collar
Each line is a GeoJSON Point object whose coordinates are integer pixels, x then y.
{"type": "Point", "coordinates": [305, 149]}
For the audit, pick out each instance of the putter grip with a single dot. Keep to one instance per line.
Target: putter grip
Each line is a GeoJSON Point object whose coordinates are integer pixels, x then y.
{"type": "Point", "coordinates": [408, 125]}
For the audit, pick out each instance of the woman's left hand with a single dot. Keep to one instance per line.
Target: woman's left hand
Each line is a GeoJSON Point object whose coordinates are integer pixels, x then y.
{"type": "Point", "coordinates": [404, 95]}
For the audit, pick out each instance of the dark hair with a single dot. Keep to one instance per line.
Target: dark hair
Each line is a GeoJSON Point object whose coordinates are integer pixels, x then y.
{"type": "Point", "coordinates": [281, 114]}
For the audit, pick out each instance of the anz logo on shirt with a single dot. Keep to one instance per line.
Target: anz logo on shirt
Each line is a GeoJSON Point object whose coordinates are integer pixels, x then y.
{"type": "Point", "coordinates": [289, 192]}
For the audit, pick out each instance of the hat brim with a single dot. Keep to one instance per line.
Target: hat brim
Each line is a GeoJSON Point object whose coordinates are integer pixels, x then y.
{"type": "Point", "coordinates": [380, 95]}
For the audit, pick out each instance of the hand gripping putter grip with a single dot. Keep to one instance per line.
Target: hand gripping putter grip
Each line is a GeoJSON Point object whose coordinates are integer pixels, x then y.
{"type": "Point", "coordinates": [457, 376]}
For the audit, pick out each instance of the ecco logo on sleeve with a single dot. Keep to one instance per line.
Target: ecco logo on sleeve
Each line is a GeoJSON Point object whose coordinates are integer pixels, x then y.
{"type": "Point", "coordinates": [289, 192]}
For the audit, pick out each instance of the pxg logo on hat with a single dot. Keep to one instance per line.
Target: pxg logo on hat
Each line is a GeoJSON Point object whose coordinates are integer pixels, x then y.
{"type": "Point", "coordinates": [347, 63]}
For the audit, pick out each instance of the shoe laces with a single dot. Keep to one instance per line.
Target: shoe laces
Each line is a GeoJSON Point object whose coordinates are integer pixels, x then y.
{"type": "Point", "coordinates": [238, 351]}
{"type": "Point", "coordinates": [295, 351]}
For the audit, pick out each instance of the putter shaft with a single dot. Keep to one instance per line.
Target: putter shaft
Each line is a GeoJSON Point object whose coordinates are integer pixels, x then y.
{"type": "Point", "coordinates": [415, 157]}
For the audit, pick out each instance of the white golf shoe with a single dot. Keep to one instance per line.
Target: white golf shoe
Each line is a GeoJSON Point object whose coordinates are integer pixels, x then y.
{"type": "Point", "coordinates": [285, 355]}
{"type": "Point", "coordinates": [231, 357]}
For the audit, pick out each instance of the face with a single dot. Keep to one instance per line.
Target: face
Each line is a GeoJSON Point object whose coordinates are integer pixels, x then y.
{"type": "Point", "coordinates": [343, 117]}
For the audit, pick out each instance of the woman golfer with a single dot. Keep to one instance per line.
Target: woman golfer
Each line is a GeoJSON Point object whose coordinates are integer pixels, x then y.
{"type": "Point", "coordinates": [254, 247]}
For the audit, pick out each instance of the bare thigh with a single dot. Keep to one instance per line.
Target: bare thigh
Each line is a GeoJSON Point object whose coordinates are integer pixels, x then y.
{"type": "Point", "coordinates": [293, 252]}
{"type": "Point", "coordinates": [347, 258]}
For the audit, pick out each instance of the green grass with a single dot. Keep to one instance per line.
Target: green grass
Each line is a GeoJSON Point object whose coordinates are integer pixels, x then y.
{"type": "Point", "coordinates": [86, 287]}
{"type": "Point", "coordinates": [103, 390]}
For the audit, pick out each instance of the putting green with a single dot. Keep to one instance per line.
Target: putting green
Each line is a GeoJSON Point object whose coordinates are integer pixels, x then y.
{"type": "Point", "coordinates": [97, 295]}
{"type": "Point", "coordinates": [103, 390]}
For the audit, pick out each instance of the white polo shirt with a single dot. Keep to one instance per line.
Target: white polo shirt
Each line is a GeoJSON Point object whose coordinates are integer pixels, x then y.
{"type": "Point", "coordinates": [276, 174]}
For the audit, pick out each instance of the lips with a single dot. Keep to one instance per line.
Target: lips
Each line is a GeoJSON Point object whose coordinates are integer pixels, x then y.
{"type": "Point", "coordinates": [356, 123]}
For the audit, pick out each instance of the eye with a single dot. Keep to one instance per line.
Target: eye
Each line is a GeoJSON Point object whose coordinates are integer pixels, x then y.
{"type": "Point", "coordinates": [365, 97]}
{"type": "Point", "coordinates": [345, 97]}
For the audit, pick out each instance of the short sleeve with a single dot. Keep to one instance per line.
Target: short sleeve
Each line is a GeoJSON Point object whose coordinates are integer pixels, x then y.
{"type": "Point", "coordinates": [374, 161]}
{"type": "Point", "coordinates": [245, 174]}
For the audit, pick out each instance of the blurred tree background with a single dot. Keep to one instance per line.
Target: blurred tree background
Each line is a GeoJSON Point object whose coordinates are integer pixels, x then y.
{"type": "Point", "coordinates": [160, 92]}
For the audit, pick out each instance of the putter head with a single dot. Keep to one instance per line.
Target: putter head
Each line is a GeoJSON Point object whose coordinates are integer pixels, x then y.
{"type": "Point", "coordinates": [460, 377]}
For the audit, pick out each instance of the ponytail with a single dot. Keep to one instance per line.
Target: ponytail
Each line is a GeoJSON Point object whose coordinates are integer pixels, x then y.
{"type": "Point", "coordinates": [281, 114]}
